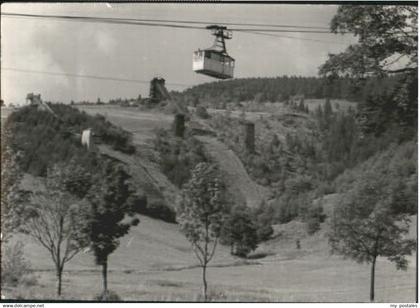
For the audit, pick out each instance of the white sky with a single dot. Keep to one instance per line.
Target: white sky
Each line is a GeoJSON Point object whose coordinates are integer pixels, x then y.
{"type": "Point", "coordinates": [141, 53]}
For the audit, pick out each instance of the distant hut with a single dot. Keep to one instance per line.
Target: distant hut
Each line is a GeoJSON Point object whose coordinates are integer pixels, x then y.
{"type": "Point", "coordinates": [87, 140]}
{"type": "Point", "coordinates": [35, 100]}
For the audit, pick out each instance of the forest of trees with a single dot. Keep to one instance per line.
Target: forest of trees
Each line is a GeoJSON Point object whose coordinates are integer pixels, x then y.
{"type": "Point", "coordinates": [280, 89]}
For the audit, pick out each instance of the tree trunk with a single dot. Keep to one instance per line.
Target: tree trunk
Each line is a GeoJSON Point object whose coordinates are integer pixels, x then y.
{"type": "Point", "coordinates": [372, 280]}
{"type": "Point", "coordinates": [204, 283]}
{"type": "Point", "coordinates": [59, 265]}
{"type": "Point", "coordinates": [205, 260]}
{"type": "Point", "coordinates": [59, 272]}
{"type": "Point", "coordinates": [105, 275]}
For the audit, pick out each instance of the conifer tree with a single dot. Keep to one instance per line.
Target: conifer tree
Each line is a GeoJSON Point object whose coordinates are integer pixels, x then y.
{"type": "Point", "coordinates": [111, 215]}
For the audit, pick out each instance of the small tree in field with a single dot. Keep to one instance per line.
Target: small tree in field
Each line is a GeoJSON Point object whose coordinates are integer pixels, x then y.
{"type": "Point", "coordinates": [53, 217]}
{"type": "Point", "coordinates": [366, 226]}
{"type": "Point", "coordinates": [200, 214]}
{"type": "Point", "coordinates": [111, 215]}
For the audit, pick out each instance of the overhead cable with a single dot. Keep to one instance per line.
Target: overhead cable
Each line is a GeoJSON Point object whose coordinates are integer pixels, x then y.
{"type": "Point", "coordinates": [87, 76]}
{"type": "Point", "coordinates": [293, 37]}
{"type": "Point", "coordinates": [170, 21]}
{"type": "Point", "coordinates": [139, 22]}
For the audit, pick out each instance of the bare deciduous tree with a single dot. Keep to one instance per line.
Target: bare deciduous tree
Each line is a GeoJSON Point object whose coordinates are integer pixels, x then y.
{"type": "Point", "coordinates": [53, 218]}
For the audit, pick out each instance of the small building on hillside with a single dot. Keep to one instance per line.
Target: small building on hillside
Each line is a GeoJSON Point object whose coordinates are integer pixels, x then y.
{"type": "Point", "coordinates": [35, 100]}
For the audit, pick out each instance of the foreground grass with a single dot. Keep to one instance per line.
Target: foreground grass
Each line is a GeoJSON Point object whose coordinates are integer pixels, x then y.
{"type": "Point", "coordinates": [309, 279]}
{"type": "Point", "coordinates": [155, 263]}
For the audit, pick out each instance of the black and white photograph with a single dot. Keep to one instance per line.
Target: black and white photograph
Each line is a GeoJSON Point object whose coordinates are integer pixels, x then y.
{"type": "Point", "coordinates": [228, 152]}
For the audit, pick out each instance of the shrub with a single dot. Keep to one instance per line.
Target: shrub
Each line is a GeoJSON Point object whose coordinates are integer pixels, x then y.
{"type": "Point", "coordinates": [258, 255]}
{"type": "Point", "coordinates": [264, 218]}
{"type": "Point", "coordinates": [313, 225]}
{"type": "Point", "coordinates": [240, 232]}
{"type": "Point", "coordinates": [15, 269]}
{"type": "Point", "coordinates": [159, 209]}
{"type": "Point", "coordinates": [264, 231]}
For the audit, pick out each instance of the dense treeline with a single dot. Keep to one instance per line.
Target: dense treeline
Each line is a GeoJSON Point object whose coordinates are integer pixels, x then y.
{"type": "Point", "coordinates": [280, 89]}
{"type": "Point", "coordinates": [42, 139]}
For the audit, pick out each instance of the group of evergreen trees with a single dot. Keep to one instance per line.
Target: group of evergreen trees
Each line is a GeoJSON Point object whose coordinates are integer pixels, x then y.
{"type": "Point", "coordinates": [280, 89]}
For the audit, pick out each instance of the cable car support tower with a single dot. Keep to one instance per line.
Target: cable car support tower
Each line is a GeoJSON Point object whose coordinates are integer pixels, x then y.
{"type": "Point", "coordinates": [221, 34]}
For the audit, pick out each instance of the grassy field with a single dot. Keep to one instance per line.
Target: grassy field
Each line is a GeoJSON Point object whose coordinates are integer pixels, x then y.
{"type": "Point", "coordinates": [154, 262]}
{"type": "Point", "coordinates": [141, 123]}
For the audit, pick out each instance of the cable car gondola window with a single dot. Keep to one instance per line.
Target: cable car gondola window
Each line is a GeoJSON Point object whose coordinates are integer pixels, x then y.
{"type": "Point", "coordinates": [215, 56]}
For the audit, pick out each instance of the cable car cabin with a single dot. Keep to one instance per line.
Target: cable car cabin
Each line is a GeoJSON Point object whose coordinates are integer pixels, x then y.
{"type": "Point", "coordinates": [213, 63]}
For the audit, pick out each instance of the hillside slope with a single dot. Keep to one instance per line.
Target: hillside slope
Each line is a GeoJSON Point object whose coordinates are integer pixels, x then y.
{"type": "Point", "coordinates": [145, 174]}
{"type": "Point", "coordinates": [153, 245]}
{"type": "Point", "coordinates": [238, 181]}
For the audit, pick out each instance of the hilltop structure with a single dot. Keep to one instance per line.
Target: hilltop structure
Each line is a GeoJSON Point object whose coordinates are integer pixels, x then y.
{"type": "Point", "coordinates": [158, 91]}
{"type": "Point", "coordinates": [35, 100]}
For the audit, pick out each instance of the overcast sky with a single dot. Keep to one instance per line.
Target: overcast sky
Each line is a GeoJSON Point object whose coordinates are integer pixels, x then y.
{"type": "Point", "coordinates": [141, 53]}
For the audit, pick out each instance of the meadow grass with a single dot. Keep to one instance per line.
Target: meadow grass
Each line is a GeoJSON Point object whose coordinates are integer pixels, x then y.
{"type": "Point", "coordinates": [285, 275]}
